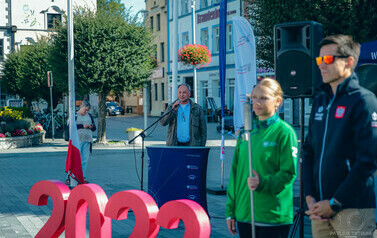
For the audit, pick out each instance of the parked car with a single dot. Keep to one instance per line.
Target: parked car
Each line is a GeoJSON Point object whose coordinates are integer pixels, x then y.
{"type": "Point", "coordinates": [113, 109]}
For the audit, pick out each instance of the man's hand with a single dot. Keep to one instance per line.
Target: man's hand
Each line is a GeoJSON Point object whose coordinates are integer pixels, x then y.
{"type": "Point", "coordinates": [320, 211]}
{"type": "Point", "coordinates": [176, 105]}
{"type": "Point", "coordinates": [253, 182]}
{"type": "Point", "coordinates": [310, 201]}
{"type": "Point", "coordinates": [231, 223]}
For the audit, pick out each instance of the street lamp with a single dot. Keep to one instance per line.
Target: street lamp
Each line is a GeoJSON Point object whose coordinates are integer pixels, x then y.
{"type": "Point", "coordinates": [194, 42]}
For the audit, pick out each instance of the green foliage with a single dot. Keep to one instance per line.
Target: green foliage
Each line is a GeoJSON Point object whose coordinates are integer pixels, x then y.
{"type": "Point", "coordinates": [110, 54]}
{"type": "Point", "coordinates": [16, 125]}
{"type": "Point", "coordinates": [26, 112]}
{"type": "Point", "coordinates": [352, 17]}
{"type": "Point", "coordinates": [25, 73]}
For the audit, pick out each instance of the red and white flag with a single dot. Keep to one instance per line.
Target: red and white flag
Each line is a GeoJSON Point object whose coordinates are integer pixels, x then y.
{"type": "Point", "coordinates": [73, 163]}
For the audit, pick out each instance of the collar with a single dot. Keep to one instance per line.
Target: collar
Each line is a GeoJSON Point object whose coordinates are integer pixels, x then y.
{"type": "Point", "coordinates": [268, 122]}
{"type": "Point", "coordinates": [349, 84]}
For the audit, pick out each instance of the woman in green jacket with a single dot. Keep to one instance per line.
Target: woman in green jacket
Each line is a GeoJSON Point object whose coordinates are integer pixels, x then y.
{"type": "Point", "coordinates": [274, 155]}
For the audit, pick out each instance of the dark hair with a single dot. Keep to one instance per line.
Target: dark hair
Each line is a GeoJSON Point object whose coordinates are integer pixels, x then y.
{"type": "Point", "coordinates": [346, 46]}
{"type": "Point", "coordinates": [85, 103]}
{"type": "Point", "coordinates": [185, 84]}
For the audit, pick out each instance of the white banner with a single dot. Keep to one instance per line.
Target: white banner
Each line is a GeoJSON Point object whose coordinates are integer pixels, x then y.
{"type": "Point", "coordinates": [246, 69]}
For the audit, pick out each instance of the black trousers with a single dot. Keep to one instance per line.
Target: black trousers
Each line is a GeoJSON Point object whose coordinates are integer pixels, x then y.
{"type": "Point", "coordinates": [244, 230]}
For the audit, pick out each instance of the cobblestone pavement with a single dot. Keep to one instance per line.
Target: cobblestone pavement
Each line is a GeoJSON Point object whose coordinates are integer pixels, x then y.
{"type": "Point", "coordinates": [114, 167]}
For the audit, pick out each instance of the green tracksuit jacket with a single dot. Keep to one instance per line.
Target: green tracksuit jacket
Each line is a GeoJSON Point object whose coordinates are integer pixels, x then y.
{"type": "Point", "coordinates": [274, 158]}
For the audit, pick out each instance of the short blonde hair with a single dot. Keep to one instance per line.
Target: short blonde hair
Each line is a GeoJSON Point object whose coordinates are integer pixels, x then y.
{"type": "Point", "coordinates": [273, 85]}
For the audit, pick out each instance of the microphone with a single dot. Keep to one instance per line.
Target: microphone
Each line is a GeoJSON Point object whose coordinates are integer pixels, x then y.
{"type": "Point", "coordinates": [177, 105]}
{"type": "Point", "coordinates": [248, 123]}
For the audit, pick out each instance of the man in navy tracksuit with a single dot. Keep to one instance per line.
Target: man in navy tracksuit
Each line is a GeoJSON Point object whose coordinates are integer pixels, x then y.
{"type": "Point", "coordinates": [340, 150]}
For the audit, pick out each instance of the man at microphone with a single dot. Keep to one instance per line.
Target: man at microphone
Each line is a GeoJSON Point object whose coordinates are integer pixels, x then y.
{"type": "Point", "coordinates": [187, 126]}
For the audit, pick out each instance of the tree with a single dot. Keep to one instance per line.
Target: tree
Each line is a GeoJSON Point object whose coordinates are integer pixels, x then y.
{"type": "Point", "coordinates": [110, 54]}
{"type": "Point", "coordinates": [25, 73]}
{"type": "Point", "coordinates": [353, 17]}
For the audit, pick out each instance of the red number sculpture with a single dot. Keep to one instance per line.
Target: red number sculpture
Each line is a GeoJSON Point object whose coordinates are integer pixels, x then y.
{"type": "Point", "coordinates": [144, 207]}
{"type": "Point", "coordinates": [194, 217]}
{"type": "Point", "coordinates": [85, 196]}
{"type": "Point", "coordinates": [59, 193]}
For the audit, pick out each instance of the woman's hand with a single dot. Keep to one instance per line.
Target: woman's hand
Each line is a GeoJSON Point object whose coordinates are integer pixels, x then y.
{"type": "Point", "coordinates": [253, 182]}
{"type": "Point", "coordinates": [231, 223]}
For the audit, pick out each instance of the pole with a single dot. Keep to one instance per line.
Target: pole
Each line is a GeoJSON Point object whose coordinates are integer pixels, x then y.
{"type": "Point", "coordinates": [71, 70]}
{"type": "Point", "coordinates": [71, 74]}
{"type": "Point", "coordinates": [175, 51]}
{"type": "Point", "coordinates": [145, 106]}
{"type": "Point", "coordinates": [49, 76]}
{"type": "Point", "coordinates": [302, 134]}
{"type": "Point", "coordinates": [248, 128]}
{"type": "Point", "coordinates": [194, 42]}
{"type": "Point", "coordinates": [222, 68]}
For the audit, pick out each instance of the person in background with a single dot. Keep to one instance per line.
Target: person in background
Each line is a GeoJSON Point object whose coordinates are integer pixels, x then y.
{"type": "Point", "coordinates": [85, 127]}
{"type": "Point", "coordinates": [274, 160]}
{"type": "Point", "coordinates": [340, 149]}
{"type": "Point", "coordinates": [187, 126]}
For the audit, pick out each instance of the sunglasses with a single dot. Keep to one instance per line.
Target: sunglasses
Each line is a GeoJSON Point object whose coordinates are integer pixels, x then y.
{"type": "Point", "coordinates": [328, 59]}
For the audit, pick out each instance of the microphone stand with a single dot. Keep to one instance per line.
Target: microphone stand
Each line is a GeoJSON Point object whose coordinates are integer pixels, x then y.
{"type": "Point", "coordinates": [142, 135]}
{"type": "Point", "coordinates": [248, 126]}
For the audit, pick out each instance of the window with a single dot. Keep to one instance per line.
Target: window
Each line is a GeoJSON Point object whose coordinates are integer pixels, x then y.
{"type": "Point", "coordinates": [216, 1]}
{"type": "Point", "coordinates": [231, 94]}
{"type": "Point", "coordinates": [184, 6]}
{"type": "Point", "coordinates": [1, 49]}
{"type": "Point", "coordinates": [204, 37]}
{"type": "Point", "coordinates": [203, 3]}
{"type": "Point", "coordinates": [151, 22]}
{"type": "Point", "coordinates": [155, 51]}
{"type": "Point", "coordinates": [216, 40]}
{"type": "Point", "coordinates": [155, 91]}
{"type": "Point", "coordinates": [185, 38]}
{"type": "Point", "coordinates": [229, 40]}
{"type": "Point", "coordinates": [158, 22]}
{"type": "Point", "coordinates": [53, 20]}
{"type": "Point", "coordinates": [162, 91]}
{"type": "Point", "coordinates": [162, 48]}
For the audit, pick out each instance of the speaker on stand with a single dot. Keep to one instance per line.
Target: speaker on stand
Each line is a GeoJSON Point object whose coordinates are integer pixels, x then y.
{"type": "Point", "coordinates": [295, 49]}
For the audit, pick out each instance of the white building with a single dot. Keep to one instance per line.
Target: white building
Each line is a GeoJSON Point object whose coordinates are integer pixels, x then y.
{"type": "Point", "coordinates": [22, 22]}
{"type": "Point", "coordinates": [207, 33]}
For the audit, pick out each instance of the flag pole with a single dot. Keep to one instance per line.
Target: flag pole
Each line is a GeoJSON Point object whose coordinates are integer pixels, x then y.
{"type": "Point", "coordinates": [71, 70]}
{"type": "Point", "coordinates": [71, 77]}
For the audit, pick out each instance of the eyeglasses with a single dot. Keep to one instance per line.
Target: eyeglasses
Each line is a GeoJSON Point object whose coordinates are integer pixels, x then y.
{"type": "Point", "coordinates": [328, 59]}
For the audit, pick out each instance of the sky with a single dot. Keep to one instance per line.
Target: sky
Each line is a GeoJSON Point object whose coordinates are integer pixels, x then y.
{"type": "Point", "coordinates": [136, 5]}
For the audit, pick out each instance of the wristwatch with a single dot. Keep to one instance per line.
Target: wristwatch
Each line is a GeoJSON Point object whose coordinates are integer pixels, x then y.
{"type": "Point", "coordinates": [335, 206]}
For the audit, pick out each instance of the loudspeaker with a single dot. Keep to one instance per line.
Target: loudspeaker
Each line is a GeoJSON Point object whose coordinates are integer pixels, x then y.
{"type": "Point", "coordinates": [367, 74]}
{"type": "Point", "coordinates": [295, 49]}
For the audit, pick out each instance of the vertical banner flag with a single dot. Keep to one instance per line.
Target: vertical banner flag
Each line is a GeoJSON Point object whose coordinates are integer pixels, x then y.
{"type": "Point", "coordinates": [73, 163]}
{"type": "Point", "coordinates": [246, 68]}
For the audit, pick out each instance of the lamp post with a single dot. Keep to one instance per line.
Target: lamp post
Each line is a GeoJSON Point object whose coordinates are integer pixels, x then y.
{"type": "Point", "coordinates": [194, 42]}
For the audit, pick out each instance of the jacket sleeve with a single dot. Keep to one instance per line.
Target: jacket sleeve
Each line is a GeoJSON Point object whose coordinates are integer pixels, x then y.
{"type": "Point", "coordinates": [231, 190]}
{"type": "Point", "coordinates": [203, 128]}
{"type": "Point", "coordinates": [168, 118]}
{"type": "Point", "coordinates": [365, 144]}
{"type": "Point", "coordinates": [308, 160]}
{"type": "Point", "coordinates": [275, 183]}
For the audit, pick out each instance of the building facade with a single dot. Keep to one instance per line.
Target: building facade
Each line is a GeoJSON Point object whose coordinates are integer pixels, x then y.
{"type": "Point", "coordinates": [156, 21]}
{"type": "Point", "coordinates": [207, 33]}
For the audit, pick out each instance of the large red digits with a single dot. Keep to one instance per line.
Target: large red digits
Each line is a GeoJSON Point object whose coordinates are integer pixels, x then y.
{"type": "Point", "coordinates": [59, 193]}
{"type": "Point", "coordinates": [85, 196]}
{"type": "Point", "coordinates": [144, 207]}
{"type": "Point", "coordinates": [194, 217]}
